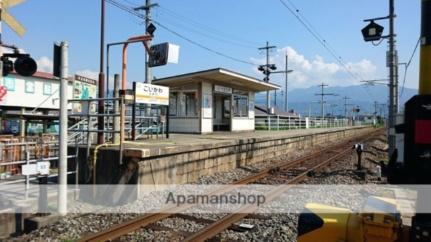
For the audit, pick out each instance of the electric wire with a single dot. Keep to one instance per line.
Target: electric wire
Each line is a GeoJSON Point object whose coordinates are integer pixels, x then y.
{"type": "Point", "coordinates": [210, 29]}
{"type": "Point", "coordinates": [139, 15]}
{"type": "Point", "coordinates": [406, 67]}
{"type": "Point", "coordinates": [309, 27]}
{"type": "Point", "coordinates": [131, 3]}
{"type": "Point", "coordinates": [313, 31]}
{"type": "Point", "coordinates": [200, 45]}
{"type": "Point", "coordinates": [210, 36]}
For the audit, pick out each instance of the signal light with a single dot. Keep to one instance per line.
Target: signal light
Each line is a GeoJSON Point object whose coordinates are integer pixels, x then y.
{"type": "Point", "coordinates": [25, 66]}
{"type": "Point", "coordinates": [7, 66]}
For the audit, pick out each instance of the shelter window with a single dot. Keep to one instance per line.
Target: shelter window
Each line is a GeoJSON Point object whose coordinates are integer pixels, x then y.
{"type": "Point", "coordinates": [173, 98]}
{"type": "Point", "coordinates": [240, 106]}
{"type": "Point", "coordinates": [191, 104]}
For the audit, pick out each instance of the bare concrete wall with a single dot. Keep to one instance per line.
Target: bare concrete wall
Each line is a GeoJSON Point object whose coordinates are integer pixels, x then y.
{"type": "Point", "coordinates": [186, 167]}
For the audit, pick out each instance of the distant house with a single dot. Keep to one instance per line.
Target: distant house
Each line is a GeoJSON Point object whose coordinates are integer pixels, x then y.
{"type": "Point", "coordinates": [262, 111]}
{"type": "Point", "coordinates": [33, 101]}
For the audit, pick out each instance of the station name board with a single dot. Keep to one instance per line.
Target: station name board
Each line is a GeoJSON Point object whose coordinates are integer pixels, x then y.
{"type": "Point", "coordinates": [85, 79]}
{"type": "Point", "coordinates": [151, 94]}
{"type": "Point", "coordinates": [222, 89]}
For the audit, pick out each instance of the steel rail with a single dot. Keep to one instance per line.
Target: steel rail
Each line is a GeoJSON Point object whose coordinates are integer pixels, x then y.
{"type": "Point", "coordinates": [227, 221]}
{"type": "Point", "coordinates": [124, 228]}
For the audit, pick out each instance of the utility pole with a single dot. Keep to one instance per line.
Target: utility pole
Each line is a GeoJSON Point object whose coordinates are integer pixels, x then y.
{"type": "Point", "coordinates": [286, 104]}
{"type": "Point", "coordinates": [286, 72]}
{"type": "Point", "coordinates": [101, 104]}
{"type": "Point", "coordinates": [345, 105]}
{"type": "Point", "coordinates": [62, 167]}
{"type": "Point", "coordinates": [332, 108]}
{"type": "Point", "coordinates": [266, 69]}
{"type": "Point", "coordinates": [322, 98]}
{"type": "Point", "coordinates": [373, 32]}
{"type": "Point", "coordinates": [147, 8]}
{"type": "Point", "coordinates": [393, 77]}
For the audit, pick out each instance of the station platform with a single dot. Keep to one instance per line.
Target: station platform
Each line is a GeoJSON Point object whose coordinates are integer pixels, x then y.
{"type": "Point", "coordinates": [192, 142]}
{"type": "Point", "coordinates": [183, 158]}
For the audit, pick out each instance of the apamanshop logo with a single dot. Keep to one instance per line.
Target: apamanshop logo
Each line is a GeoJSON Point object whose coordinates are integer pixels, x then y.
{"type": "Point", "coordinates": [228, 199]}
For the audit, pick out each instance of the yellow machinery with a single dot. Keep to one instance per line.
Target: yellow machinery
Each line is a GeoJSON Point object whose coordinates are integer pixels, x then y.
{"type": "Point", "coordinates": [321, 223]}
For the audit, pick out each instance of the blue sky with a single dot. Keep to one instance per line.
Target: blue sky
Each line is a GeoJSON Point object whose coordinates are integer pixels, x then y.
{"type": "Point", "coordinates": [243, 25]}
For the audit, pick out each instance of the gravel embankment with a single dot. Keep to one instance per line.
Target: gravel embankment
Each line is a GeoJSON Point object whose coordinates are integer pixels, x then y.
{"type": "Point", "coordinates": [274, 227]}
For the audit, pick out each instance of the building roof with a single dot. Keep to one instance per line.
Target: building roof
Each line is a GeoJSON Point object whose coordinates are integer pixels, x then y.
{"type": "Point", "coordinates": [40, 74]}
{"type": "Point", "coordinates": [219, 76]}
{"type": "Point", "coordinates": [50, 76]}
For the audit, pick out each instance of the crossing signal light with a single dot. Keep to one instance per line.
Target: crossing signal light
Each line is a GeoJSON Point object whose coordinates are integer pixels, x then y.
{"type": "Point", "coordinates": [24, 65]}
{"type": "Point", "coordinates": [7, 66]}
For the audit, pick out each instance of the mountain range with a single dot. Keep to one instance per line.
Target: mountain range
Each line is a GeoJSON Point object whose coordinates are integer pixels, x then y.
{"type": "Point", "coordinates": [305, 100]}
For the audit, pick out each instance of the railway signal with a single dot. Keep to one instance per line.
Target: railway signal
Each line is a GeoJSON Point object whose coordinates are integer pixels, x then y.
{"type": "Point", "coordinates": [24, 65]}
{"type": "Point", "coordinates": [9, 19]}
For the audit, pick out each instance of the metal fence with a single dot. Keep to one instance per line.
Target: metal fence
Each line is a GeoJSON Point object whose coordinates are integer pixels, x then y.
{"type": "Point", "coordinates": [277, 122]}
{"type": "Point", "coordinates": [16, 152]}
{"type": "Point", "coordinates": [148, 121]}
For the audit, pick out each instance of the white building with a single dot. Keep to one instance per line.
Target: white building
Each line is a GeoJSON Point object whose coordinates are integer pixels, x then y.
{"type": "Point", "coordinates": [35, 99]}
{"type": "Point", "coordinates": [212, 100]}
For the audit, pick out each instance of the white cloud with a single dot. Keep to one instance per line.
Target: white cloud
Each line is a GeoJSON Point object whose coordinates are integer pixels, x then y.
{"type": "Point", "coordinates": [44, 64]}
{"type": "Point", "coordinates": [312, 71]}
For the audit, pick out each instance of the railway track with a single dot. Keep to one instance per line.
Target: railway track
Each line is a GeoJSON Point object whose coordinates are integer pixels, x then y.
{"type": "Point", "coordinates": [290, 172]}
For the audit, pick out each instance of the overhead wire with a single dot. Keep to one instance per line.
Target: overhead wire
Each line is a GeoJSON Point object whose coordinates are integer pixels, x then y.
{"type": "Point", "coordinates": [202, 46]}
{"type": "Point", "coordinates": [326, 45]}
{"type": "Point", "coordinates": [210, 36]}
{"type": "Point", "coordinates": [139, 15]}
{"type": "Point", "coordinates": [406, 67]}
{"type": "Point", "coordinates": [210, 29]}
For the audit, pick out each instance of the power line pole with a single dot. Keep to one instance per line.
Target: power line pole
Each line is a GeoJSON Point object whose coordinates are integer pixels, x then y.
{"type": "Point", "coordinates": [286, 104]}
{"type": "Point", "coordinates": [101, 104]}
{"type": "Point", "coordinates": [266, 69]}
{"type": "Point", "coordinates": [373, 32]}
{"type": "Point", "coordinates": [147, 8]}
{"type": "Point", "coordinates": [62, 165]}
{"type": "Point", "coordinates": [322, 98]}
{"type": "Point", "coordinates": [345, 105]}
{"type": "Point", "coordinates": [393, 77]}
{"type": "Point", "coordinates": [332, 108]}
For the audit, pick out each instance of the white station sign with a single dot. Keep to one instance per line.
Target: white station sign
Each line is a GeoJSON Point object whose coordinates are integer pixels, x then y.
{"type": "Point", "coordinates": [151, 94]}
{"type": "Point", "coordinates": [41, 168]}
{"type": "Point", "coordinates": [222, 89]}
